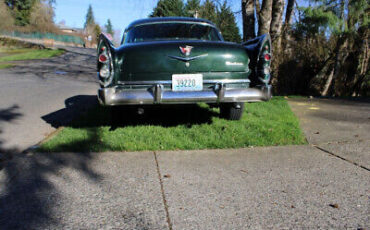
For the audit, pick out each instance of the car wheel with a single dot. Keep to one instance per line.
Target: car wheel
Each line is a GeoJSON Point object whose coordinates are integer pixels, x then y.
{"type": "Point", "coordinates": [232, 111]}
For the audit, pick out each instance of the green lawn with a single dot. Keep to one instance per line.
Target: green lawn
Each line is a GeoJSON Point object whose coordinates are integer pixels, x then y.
{"type": "Point", "coordinates": [5, 65]}
{"type": "Point", "coordinates": [8, 54]}
{"type": "Point", "coordinates": [181, 127]}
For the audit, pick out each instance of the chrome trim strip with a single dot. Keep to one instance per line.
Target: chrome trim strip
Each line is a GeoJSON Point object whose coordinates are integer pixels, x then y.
{"type": "Point", "coordinates": [186, 59]}
{"type": "Point", "coordinates": [169, 82]}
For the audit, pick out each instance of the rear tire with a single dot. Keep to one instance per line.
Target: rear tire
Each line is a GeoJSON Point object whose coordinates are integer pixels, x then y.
{"type": "Point", "coordinates": [232, 111]}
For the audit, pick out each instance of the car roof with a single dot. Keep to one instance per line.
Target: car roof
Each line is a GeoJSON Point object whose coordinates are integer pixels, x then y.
{"type": "Point", "coordinates": [168, 19]}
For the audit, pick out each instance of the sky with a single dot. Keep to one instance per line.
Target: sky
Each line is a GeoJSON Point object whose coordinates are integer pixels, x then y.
{"type": "Point", "coordinates": [120, 12]}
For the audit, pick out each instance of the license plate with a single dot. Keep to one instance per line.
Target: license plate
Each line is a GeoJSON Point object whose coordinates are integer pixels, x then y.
{"type": "Point", "coordinates": [187, 82]}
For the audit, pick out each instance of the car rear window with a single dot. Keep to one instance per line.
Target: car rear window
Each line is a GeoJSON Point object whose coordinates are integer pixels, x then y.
{"type": "Point", "coordinates": [171, 31]}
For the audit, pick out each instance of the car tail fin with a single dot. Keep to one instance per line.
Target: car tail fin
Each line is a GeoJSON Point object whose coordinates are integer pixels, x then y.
{"type": "Point", "coordinates": [105, 61]}
{"type": "Point", "coordinates": [259, 51]}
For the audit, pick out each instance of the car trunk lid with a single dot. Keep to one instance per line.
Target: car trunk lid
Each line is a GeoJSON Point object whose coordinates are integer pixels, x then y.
{"type": "Point", "coordinates": [159, 60]}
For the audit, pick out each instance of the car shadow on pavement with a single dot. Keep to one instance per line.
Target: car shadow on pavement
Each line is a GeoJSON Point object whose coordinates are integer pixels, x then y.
{"type": "Point", "coordinates": [95, 116]}
{"type": "Point", "coordinates": [74, 107]}
{"type": "Point", "coordinates": [159, 115]}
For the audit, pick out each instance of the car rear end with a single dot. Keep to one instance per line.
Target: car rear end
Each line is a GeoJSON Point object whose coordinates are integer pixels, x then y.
{"type": "Point", "coordinates": [176, 62]}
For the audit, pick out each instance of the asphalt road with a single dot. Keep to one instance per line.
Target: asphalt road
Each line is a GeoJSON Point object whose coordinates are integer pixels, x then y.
{"type": "Point", "coordinates": [321, 185]}
{"type": "Point", "coordinates": [37, 96]}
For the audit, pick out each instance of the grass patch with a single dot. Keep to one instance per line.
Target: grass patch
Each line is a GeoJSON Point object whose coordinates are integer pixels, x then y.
{"type": "Point", "coordinates": [5, 65]}
{"type": "Point", "coordinates": [181, 127]}
{"type": "Point", "coordinates": [27, 54]}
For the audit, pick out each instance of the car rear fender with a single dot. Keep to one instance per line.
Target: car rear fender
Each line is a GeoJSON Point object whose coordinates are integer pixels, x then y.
{"type": "Point", "coordinates": [260, 53]}
{"type": "Point", "coordinates": [105, 61]}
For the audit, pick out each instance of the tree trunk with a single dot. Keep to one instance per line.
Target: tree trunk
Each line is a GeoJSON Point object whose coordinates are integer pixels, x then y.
{"type": "Point", "coordinates": [325, 91]}
{"type": "Point", "coordinates": [341, 53]}
{"type": "Point", "coordinates": [286, 28]}
{"type": "Point", "coordinates": [248, 19]}
{"type": "Point", "coordinates": [317, 81]}
{"type": "Point", "coordinates": [277, 23]}
{"type": "Point", "coordinates": [363, 62]}
{"type": "Point", "coordinates": [340, 56]}
{"type": "Point", "coordinates": [289, 13]}
{"type": "Point", "coordinates": [288, 17]}
{"type": "Point", "coordinates": [264, 17]}
{"type": "Point", "coordinates": [258, 7]}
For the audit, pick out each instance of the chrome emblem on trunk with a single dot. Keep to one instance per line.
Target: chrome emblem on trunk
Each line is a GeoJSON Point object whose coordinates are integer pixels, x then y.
{"type": "Point", "coordinates": [186, 50]}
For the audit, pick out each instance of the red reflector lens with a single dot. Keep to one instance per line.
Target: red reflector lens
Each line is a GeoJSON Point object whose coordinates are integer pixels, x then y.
{"type": "Point", "coordinates": [267, 57]}
{"type": "Point", "coordinates": [102, 58]}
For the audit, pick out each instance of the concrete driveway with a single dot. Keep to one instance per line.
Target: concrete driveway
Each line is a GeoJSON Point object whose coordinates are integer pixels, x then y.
{"type": "Point", "coordinates": [37, 88]}
{"type": "Point", "coordinates": [321, 185]}
{"type": "Point", "coordinates": [339, 127]}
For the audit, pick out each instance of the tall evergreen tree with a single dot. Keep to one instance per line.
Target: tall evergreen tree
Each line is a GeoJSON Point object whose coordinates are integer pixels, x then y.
{"type": "Point", "coordinates": [21, 10]}
{"type": "Point", "coordinates": [109, 28]}
{"type": "Point", "coordinates": [192, 8]}
{"type": "Point", "coordinates": [168, 8]}
{"type": "Point", "coordinates": [226, 23]}
{"type": "Point", "coordinates": [90, 20]}
{"type": "Point", "coordinates": [97, 31]}
{"type": "Point", "coordinates": [209, 11]}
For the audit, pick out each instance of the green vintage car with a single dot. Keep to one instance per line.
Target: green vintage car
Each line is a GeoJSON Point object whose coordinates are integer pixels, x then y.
{"type": "Point", "coordinates": [177, 60]}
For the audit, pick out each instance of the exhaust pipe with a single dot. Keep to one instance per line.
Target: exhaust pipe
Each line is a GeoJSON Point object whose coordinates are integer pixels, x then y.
{"type": "Point", "coordinates": [140, 111]}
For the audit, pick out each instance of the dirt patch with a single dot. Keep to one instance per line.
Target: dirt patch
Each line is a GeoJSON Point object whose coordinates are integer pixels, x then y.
{"type": "Point", "coordinates": [11, 42]}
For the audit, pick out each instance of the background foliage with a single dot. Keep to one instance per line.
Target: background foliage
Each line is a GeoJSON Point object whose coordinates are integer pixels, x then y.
{"type": "Point", "coordinates": [320, 47]}
{"type": "Point", "coordinates": [220, 14]}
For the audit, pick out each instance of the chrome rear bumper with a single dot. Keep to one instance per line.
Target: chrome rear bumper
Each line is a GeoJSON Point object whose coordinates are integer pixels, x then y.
{"type": "Point", "coordinates": [156, 94]}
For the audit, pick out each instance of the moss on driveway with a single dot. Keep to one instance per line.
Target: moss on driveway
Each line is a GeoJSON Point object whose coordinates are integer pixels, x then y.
{"type": "Point", "coordinates": [20, 54]}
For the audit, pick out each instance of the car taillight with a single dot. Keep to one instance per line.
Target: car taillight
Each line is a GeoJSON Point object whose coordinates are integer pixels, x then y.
{"type": "Point", "coordinates": [104, 71]}
{"type": "Point", "coordinates": [103, 58]}
{"type": "Point", "coordinates": [267, 57]}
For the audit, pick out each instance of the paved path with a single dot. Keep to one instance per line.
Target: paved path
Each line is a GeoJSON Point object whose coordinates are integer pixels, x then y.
{"type": "Point", "coordinates": [32, 92]}
{"type": "Point", "coordinates": [322, 185]}
{"type": "Point", "coordinates": [340, 127]}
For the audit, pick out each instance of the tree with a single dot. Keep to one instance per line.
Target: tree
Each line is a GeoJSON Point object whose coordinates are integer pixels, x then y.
{"type": "Point", "coordinates": [90, 25]}
{"type": "Point", "coordinates": [90, 20]}
{"type": "Point", "coordinates": [109, 28]}
{"type": "Point", "coordinates": [6, 18]}
{"type": "Point", "coordinates": [208, 11]}
{"type": "Point", "coordinates": [345, 26]}
{"type": "Point", "coordinates": [192, 8]}
{"type": "Point", "coordinates": [248, 19]}
{"type": "Point", "coordinates": [97, 32]}
{"type": "Point", "coordinates": [41, 18]}
{"type": "Point", "coordinates": [226, 23]}
{"type": "Point", "coordinates": [277, 22]}
{"type": "Point", "coordinates": [288, 16]}
{"type": "Point", "coordinates": [21, 10]}
{"type": "Point", "coordinates": [168, 8]}
{"type": "Point", "coordinates": [264, 17]}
